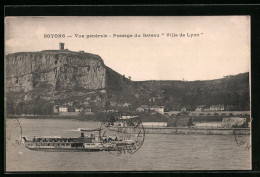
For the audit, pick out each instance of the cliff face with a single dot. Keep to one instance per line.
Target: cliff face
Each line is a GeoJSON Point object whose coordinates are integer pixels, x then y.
{"type": "Point", "coordinates": [60, 70]}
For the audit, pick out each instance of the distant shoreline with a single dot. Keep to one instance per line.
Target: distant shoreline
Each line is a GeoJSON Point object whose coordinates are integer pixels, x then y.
{"type": "Point", "coordinates": [157, 128]}
{"type": "Point", "coordinates": [145, 117]}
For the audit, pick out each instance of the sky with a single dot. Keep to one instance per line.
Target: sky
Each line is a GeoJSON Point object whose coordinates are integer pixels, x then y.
{"type": "Point", "coordinates": [219, 47]}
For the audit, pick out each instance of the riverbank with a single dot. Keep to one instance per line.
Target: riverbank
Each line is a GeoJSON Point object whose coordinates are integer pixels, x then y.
{"type": "Point", "coordinates": [97, 117]}
{"type": "Point", "coordinates": [198, 131]}
{"type": "Point", "coordinates": [161, 128]}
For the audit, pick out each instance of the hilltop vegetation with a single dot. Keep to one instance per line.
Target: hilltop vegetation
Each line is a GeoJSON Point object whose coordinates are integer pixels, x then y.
{"type": "Point", "coordinates": [232, 90]}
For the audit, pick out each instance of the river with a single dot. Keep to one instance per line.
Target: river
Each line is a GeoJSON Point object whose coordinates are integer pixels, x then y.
{"type": "Point", "coordinates": [158, 152]}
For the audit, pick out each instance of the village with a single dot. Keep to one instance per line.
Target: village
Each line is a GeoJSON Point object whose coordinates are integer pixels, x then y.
{"type": "Point", "coordinates": [201, 110]}
{"type": "Point", "coordinates": [153, 116]}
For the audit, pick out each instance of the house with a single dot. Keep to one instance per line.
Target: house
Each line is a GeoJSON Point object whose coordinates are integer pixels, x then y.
{"type": "Point", "coordinates": [126, 104]}
{"type": "Point", "coordinates": [119, 105]}
{"type": "Point", "coordinates": [88, 99]}
{"type": "Point", "coordinates": [152, 99]}
{"type": "Point", "coordinates": [219, 107]}
{"type": "Point", "coordinates": [70, 103]}
{"type": "Point", "coordinates": [63, 109]}
{"type": "Point", "coordinates": [112, 103]}
{"type": "Point", "coordinates": [183, 109]}
{"type": "Point", "coordinates": [86, 103]}
{"type": "Point", "coordinates": [55, 109]}
{"type": "Point", "coordinates": [200, 108]}
{"type": "Point", "coordinates": [144, 107]}
{"type": "Point", "coordinates": [98, 99]}
{"type": "Point", "coordinates": [78, 109]}
{"type": "Point", "coordinates": [111, 110]}
{"type": "Point", "coordinates": [158, 109]}
{"type": "Point", "coordinates": [88, 110]}
{"type": "Point", "coordinates": [140, 109]}
{"type": "Point", "coordinates": [230, 108]}
{"type": "Point", "coordinates": [103, 91]}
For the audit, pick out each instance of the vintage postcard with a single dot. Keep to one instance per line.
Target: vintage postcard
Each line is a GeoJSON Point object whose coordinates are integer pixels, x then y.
{"type": "Point", "coordinates": [127, 93]}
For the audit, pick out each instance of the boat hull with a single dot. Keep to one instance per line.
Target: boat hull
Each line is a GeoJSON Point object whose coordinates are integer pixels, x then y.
{"type": "Point", "coordinates": [67, 149]}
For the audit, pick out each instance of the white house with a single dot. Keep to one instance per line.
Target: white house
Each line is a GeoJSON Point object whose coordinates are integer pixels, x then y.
{"type": "Point", "coordinates": [157, 109]}
{"type": "Point", "coordinates": [144, 107]}
{"type": "Point", "coordinates": [63, 109]}
{"type": "Point", "coordinates": [140, 109]}
{"type": "Point", "coordinates": [78, 109]}
{"type": "Point", "coordinates": [126, 104]}
{"type": "Point", "coordinates": [112, 103]}
{"type": "Point", "coordinates": [219, 107]}
{"type": "Point", "coordinates": [200, 108]}
{"type": "Point", "coordinates": [183, 109]}
{"type": "Point", "coordinates": [88, 110]}
{"type": "Point", "coordinates": [152, 99]}
{"type": "Point", "coordinates": [56, 109]}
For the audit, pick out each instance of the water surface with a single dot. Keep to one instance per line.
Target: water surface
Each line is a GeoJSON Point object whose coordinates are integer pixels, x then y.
{"type": "Point", "coordinates": [159, 151]}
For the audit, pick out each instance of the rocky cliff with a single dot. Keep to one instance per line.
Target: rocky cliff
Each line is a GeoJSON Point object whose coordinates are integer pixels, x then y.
{"type": "Point", "coordinates": [61, 70]}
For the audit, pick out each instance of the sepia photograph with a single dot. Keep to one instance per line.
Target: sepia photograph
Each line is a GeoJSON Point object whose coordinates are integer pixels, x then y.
{"type": "Point", "coordinates": [127, 93]}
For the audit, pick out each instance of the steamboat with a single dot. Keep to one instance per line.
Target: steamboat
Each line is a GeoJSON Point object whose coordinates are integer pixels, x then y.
{"type": "Point", "coordinates": [85, 143]}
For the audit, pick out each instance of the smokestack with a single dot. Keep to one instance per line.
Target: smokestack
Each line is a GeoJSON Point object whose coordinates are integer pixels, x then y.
{"type": "Point", "coordinates": [62, 46]}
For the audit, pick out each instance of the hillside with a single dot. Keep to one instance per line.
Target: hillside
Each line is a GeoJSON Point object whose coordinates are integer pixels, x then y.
{"type": "Point", "coordinates": [37, 81]}
{"type": "Point", "coordinates": [231, 90]}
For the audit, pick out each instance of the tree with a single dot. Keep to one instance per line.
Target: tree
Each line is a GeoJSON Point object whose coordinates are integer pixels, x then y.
{"type": "Point", "coordinates": [107, 105]}
{"type": "Point", "coordinates": [20, 108]}
{"type": "Point", "coordinates": [10, 109]}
